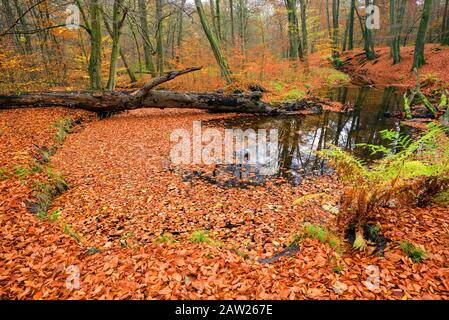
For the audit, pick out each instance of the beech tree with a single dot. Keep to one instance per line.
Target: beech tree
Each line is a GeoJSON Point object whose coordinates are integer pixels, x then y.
{"type": "Point", "coordinates": [419, 59]}
{"type": "Point", "coordinates": [293, 30]}
{"type": "Point", "coordinates": [445, 25]}
{"type": "Point", "coordinates": [397, 11]}
{"type": "Point", "coordinates": [214, 43]}
{"type": "Point", "coordinates": [95, 45]}
{"type": "Point", "coordinates": [147, 48]}
{"type": "Point", "coordinates": [118, 18]}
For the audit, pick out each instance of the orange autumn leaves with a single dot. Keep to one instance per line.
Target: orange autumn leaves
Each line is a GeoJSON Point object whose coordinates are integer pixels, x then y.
{"type": "Point", "coordinates": [122, 198]}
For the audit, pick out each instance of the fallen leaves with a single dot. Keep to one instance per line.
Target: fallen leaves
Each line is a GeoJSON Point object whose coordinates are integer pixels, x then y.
{"type": "Point", "coordinates": [123, 198]}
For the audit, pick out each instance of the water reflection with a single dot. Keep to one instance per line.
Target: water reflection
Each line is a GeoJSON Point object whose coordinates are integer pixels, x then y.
{"type": "Point", "coordinates": [301, 136]}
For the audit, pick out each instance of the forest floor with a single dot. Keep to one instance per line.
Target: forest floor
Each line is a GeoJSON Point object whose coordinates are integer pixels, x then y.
{"type": "Point", "coordinates": [382, 72]}
{"type": "Point", "coordinates": [124, 199]}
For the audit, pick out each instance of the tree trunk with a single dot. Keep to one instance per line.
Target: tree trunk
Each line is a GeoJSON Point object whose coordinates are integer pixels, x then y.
{"type": "Point", "coordinates": [419, 59]}
{"type": "Point", "coordinates": [23, 27]}
{"type": "Point", "coordinates": [212, 15]}
{"type": "Point", "coordinates": [335, 27]}
{"type": "Point", "coordinates": [146, 97]}
{"type": "Point", "coordinates": [368, 46]}
{"type": "Point", "coordinates": [148, 51]}
{"type": "Point", "coordinates": [132, 76]}
{"type": "Point", "coordinates": [12, 25]}
{"type": "Point", "coordinates": [328, 20]}
{"type": "Point", "coordinates": [95, 46]}
{"type": "Point", "coordinates": [293, 30]}
{"type": "Point", "coordinates": [218, 19]}
{"type": "Point", "coordinates": [397, 11]}
{"type": "Point", "coordinates": [159, 44]}
{"type": "Point", "coordinates": [231, 12]}
{"type": "Point", "coordinates": [180, 28]}
{"type": "Point", "coordinates": [118, 18]}
{"type": "Point", "coordinates": [445, 26]}
{"type": "Point", "coordinates": [351, 26]}
{"type": "Point", "coordinates": [305, 43]}
{"type": "Point", "coordinates": [213, 41]}
{"type": "Point", "coordinates": [242, 15]}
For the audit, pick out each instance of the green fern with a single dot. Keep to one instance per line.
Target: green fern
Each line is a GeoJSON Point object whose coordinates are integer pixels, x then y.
{"type": "Point", "coordinates": [409, 167]}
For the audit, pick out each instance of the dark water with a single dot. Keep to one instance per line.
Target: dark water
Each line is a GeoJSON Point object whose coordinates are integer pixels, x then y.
{"type": "Point", "coordinates": [301, 136]}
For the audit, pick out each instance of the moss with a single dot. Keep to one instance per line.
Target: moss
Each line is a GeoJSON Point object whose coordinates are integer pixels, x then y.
{"type": "Point", "coordinates": [277, 85]}
{"type": "Point", "coordinates": [414, 253]}
{"type": "Point", "coordinates": [63, 127]}
{"type": "Point", "coordinates": [294, 94]}
{"type": "Point", "coordinates": [200, 236]}
{"type": "Point", "coordinates": [166, 237]}
{"type": "Point", "coordinates": [3, 173]}
{"type": "Point", "coordinates": [442, 199]}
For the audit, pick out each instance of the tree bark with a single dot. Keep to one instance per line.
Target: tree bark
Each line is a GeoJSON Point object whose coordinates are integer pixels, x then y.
{"type": "Point", "coordinates": [159, 44]}
{"type": "Point", "coordinates": [368, 46]}
{"type": "Point", "coordinates": [351, 26]}
{"type": "Point", "coordinates": [118, 18]}
{"type": "Point", "coordinates": [445, 25]}
{"type": "Point", "coordinates": [397, 11]}
{"type": "Point", "coordinates": [231, 13]}
{"type": "Point", "coordinates": [218, 19]}
{"type": "Point", "coordinates": [214, 43]}
{"type": "Point", "coordinates": [132, 76]}
{"type": "Point", "coordinates": [95, 46]}
{"type": "Point", "coordinates": [293, 30]}
{"type": "Point", "coordinates": [180, 20]}
{"type": "Point", "coordinates": [335, 27]}
{"type": "Point", "coordinates": [148, 52]}
{"type": "Point", "coordinates": [419, 59]}
{"type": "Point", "coordinates": [305, 43]}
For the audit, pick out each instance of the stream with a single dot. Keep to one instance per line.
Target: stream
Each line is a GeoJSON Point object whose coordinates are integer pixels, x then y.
{"type": "Point", "coordinates": [300, 136]}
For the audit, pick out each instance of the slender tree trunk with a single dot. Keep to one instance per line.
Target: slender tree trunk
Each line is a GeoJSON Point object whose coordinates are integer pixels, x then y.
{"type": "Point", "coordinates": [242, 25]}
{"type": "Point", "coordinates": [9, 17]}
{"type": "Point", "coordinates": [397, 11]}
{"type": "Point", "coordinates": [328, 19]}
{"type": "Point", "coordinates": [118, 17]}
{"type": "Point", "coordinates": [345, 36]}
{"type": "Point", "coordinates": [148, 52]}
{"type": "Point", "coordinates": [212, 15]}
{"type": "Point", "coordinates": [351, 26]}
{"type": "Point", "coordinates": [131, 74]}
{"type": "Point", "coordinates": [419, 59]}
{"type": "Point", "coordinates": [23, 27]}
{"type": "Point", "coordinates": [95, 45]}
{"type": "Point", "coordinates": [213, 41]}
{"type": "Point", "coordinates": [335, 27]}
{"type": "Point", "coordinates": [231, 12]}
{"type": "Point", "coordinates": [305, 43]}
{"type": "Point", "coordinates": [293, 30]}
{"type": "Point", "coordinates": [180, 28]}
{"type": "Point", "coordinates": [159, 34]}
{"type": "Point", "coordinates": [445, 26]}
{"type": "Point", "coordinates": [218, 19]}
{"type": "Point", "coordinates": [368, 46]}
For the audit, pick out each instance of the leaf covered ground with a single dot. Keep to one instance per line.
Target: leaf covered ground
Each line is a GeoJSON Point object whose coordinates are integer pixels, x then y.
{"type": "Point", "coordinates": [131, 223]}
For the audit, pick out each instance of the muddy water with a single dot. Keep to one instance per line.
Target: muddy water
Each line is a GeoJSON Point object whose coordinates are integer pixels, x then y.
{"type": "Point", "coordinates": [301, 136]}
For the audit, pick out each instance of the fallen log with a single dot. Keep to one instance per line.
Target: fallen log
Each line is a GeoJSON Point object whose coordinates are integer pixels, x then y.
{"type": "Point", "coordinates": [146, 97]}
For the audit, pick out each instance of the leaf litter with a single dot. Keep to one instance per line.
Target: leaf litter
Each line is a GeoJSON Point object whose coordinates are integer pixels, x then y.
{"type": "Point", "coordinates": [123, 197]}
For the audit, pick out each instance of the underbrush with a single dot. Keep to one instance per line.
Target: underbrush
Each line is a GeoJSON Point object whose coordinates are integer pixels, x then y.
{"type": "Point", "coordinates": [412, 172]}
